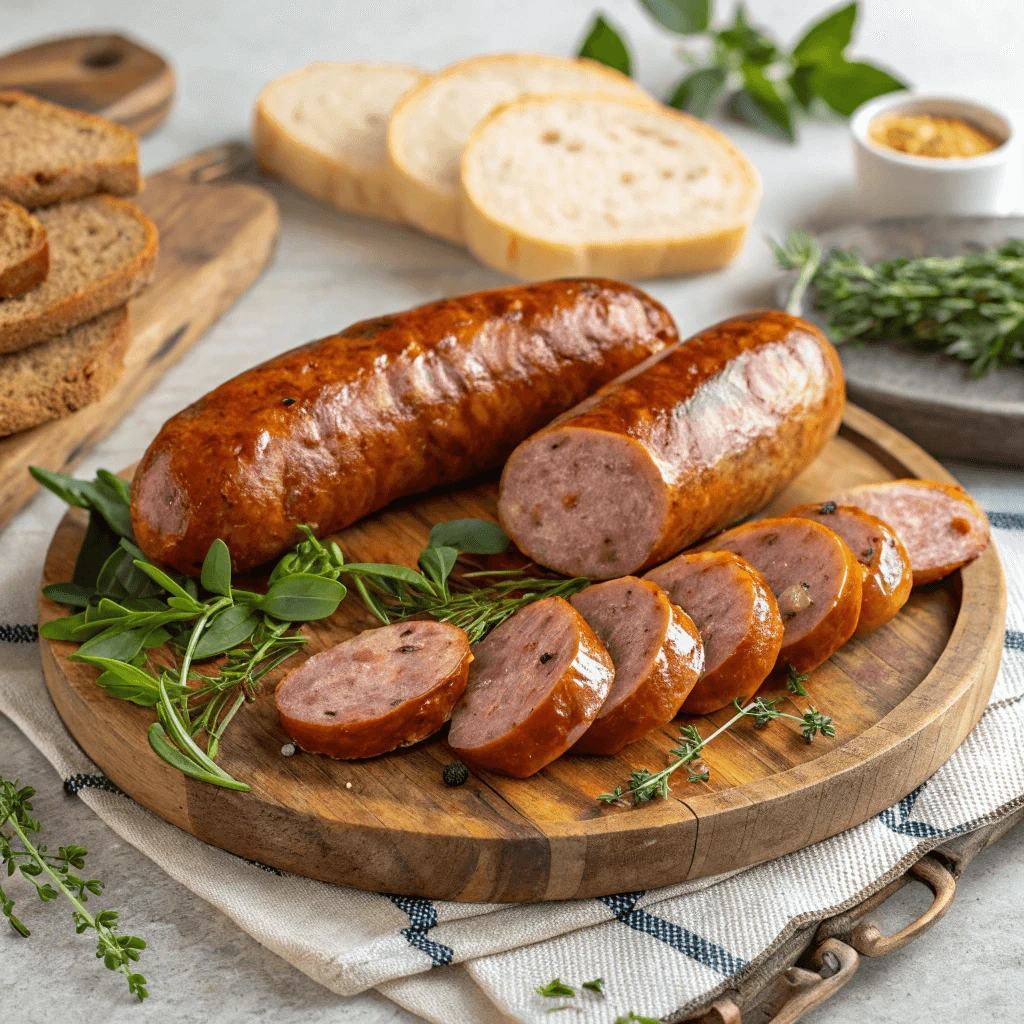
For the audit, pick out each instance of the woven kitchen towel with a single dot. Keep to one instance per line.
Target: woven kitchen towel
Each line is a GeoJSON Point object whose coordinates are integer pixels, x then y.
{"type": "Point", "coordinates": [660, 952]}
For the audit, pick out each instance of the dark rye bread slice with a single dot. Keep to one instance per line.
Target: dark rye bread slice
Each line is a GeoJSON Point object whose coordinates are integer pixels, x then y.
{"type": "Point", "coordinates": [102, 252]}
{"type": "Point", "coordinates": [53, 379]}
{"type": "Point", "coordinates": [24, 252]}
{"type": "Point", "coordinates": [49, 154]}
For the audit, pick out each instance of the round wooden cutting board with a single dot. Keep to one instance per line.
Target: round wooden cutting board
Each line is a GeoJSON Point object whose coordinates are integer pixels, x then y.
{"type": "Point", "coordinates": [902, 700]}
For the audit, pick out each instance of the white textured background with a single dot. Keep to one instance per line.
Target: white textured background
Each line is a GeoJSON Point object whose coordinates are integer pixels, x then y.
{"type": "Point", "coordinates": [332, 270]}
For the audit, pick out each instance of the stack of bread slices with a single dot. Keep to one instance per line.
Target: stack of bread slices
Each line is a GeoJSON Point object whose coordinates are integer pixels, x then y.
{"type": "Point", "coordinates": [542, 166]}
{"type": "Point", "coordinates": [72, 253]}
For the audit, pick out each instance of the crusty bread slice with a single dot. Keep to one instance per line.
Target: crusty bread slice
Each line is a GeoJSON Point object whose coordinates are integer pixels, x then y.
{"type": "Point", "coordinates": [603, 186]}
{"type": "Point", "coordinates": [24, 252]}
{"type": "Point", "coordinates": [50, 380]}
{"type": "Point", "coordinates": [323, 129]}
{"type": "Point", "coordinates": [431, 123]}
{"type": "Point", "coordinates": [102, 252]}
{"type": "Point", "coordinates": [49, 154]}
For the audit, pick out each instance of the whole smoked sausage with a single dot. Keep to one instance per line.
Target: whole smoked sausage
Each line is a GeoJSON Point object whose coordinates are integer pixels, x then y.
{"type": "Point", "coordinates": [338, 428]}
{"type": "Point", "coordinates": [683, 445]}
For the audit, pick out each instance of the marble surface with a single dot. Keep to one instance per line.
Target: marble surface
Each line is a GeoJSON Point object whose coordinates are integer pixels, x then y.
{"type": "Point", "coordinates": [331, 270]}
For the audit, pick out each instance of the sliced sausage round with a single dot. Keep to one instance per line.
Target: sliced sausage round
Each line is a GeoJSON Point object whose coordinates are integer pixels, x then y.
{"type": "Point", "coordinates": [537, 683]}
{"type": "Point", "coordinates": [658, 656]}
{"type": "Point", "coordinates": [690, 441]}
{"type": "Point", "coordinates": [816, 581]}
{"type": "Point", "coordinates": [941, 525]}
{"type": "Point", "coordinates": [385, 688]}
{"type": "Point", "coordinates": [883, 558]}
{"type": "Point", "coordinates": [739, 622]}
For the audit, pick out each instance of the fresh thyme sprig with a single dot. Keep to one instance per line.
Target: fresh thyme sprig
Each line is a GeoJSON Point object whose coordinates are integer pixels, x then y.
{"type": "Point", "coordinates": [53, 875]}
{"type": "Point", "coordinates": [970, 307]}
{"type": "Point", "coordinates": [645, 785]}
{"type": "Point", "coordinates": [795, 681]}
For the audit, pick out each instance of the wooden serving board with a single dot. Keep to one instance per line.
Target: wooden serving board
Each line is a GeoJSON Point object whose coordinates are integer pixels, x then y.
{"type": "Point", "coordinates": [902, 699]}
{"type": "Point", "coordinates": [930, 397]}
{"type": "Point", "coordinates": [216, 237]}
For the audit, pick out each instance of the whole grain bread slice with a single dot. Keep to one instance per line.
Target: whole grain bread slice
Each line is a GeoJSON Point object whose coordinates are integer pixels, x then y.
{"type": "Point", "coordinates": [51, 380]}
{"type": "Point", "coordinates": [49, 154]}
{"type": "Point", "coordinates": [24, 251]}
{"type": "Point", "coordinates": [102, 252]}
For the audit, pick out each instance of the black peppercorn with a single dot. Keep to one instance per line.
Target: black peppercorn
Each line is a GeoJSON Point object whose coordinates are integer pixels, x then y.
{"type": "Point", "coordinates": [829, 508]}
{"type": "Point", "coordinates": [455, 774]}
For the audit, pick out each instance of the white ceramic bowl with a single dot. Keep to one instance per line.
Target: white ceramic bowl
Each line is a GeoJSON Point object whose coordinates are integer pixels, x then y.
{"type": "Point", "coordinates": [894, 184]}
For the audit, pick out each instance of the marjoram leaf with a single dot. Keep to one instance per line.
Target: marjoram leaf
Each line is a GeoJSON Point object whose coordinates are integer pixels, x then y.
{"type": "Point", "coordinates": [473, 536]}
{"type": "Point", "coordinates": [216, 573]}
{"type": "Point", "coordinates": [606, 46]}
{"type": "Point", "coordinates": [845, 85]}
{"type": "Point", "coordinates": [761, 106]}
{"type": "Point", "coordinates": [698, 92]}
{"type": "Point", "coordinates": [826, 40]}
{"type": "Point", "coordinates": [302, 597]}
{"type": "Point", "coordinates": [685, 17]}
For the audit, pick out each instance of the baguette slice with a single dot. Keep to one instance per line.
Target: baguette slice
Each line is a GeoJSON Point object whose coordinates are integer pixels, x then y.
{"type": "Point", "coordinates": [431, 123]}
{"type": "Point", "coordinates": [102, 252]}
{"type": "Point", "coordinates": [323, 129]}
{"type": "Point", "coordinates": [51, 380]}
{"type": "Point", "coordinates": [608, 186]}
{"type": "Point", "coordinates": [24, 252]}
{"type": "Point", "coordinates": [49, 154]}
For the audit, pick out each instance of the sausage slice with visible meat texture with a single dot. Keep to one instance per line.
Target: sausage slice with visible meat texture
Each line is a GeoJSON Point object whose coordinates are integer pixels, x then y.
{"type": "Point", "coordinates": [941, 525]}
{"type": "Point", "coordinates": [690, 441]}
{"type": "Point", "coordinates": [537, 683]}
{"type": "Point", "coordinates": [816, 581]}
{"type": "Point", "coordinates": [658, 656]}
{"type": "Point", "coordinates": [883, 558]}
{"type": "Point", "coordinates": [738, 618]}
{"type": "Point", "coordinates": [385, 688]}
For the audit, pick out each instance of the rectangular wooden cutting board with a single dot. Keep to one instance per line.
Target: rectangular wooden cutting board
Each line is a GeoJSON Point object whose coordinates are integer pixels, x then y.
{"type": "Point", "coordinates": [217, 234]}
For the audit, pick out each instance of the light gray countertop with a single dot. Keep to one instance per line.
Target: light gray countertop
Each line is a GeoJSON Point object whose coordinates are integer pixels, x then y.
{"type": "Point", "coordinates": [331, 270]}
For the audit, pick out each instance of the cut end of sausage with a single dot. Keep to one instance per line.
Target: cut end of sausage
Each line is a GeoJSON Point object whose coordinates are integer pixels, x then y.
{"type": "Point", "coordinates": [385, 688]}
{"type": "Point", "coordinates": [657, 652]}
{"type": "Point", "coordinates": [735, 611]}
{"type": "Point", "coordinates": [941, 525]}
{"type": "Point", "coordinates": [536, 684]}
{"type": "Point", "coordinates": [583, 502]}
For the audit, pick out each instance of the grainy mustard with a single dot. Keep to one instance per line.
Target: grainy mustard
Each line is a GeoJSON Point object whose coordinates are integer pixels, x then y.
{"type": "Point", "coordinates": [930, 136]}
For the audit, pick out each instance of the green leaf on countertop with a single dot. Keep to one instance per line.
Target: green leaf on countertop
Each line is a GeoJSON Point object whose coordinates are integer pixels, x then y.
{"type": "Point", "coordinates": [126, 681]}
{"type": "Point", "coordinates": [747, 40]}
{"type": "Point", "coordinates": [228, 629]}
{"type": "Point", "coordinates": [71, 594]}
{"type": "Point", "coordinates": [555, 989]}
{"type": "Point", "coordinates": [761, 106]}
{"type": "Point", "coordinates": [472, 536]}
{"type": "Point", "coordinates": [98, 545]}
{"type": "Point", "coordinates": [302, 597]}
{"type": "Point", "coordinates": [114, 643]}
{"type": "Point", "coordinates": [216, 572]}
{"type": "Point", "coordinates": [800, 85]}
{"type": "Point", "coordinates": [62, 629]}
{"type": "Point", "coordinates": [158, 576]}
{"type": "Point", "coordinates": [684, 17]}
{"type": "Point", "coordinates": [845, 85]}
{"type": "Point", "coordinates": [606, 46]}
{"type": "Point", "coordinates": [698, 92]}
{"type": "Point", "coordinates": [827, 39]}
{"type": "Point", "coordinates": [437, 564]}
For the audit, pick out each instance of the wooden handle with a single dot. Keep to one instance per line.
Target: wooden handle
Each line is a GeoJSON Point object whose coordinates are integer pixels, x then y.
{"type": "Point", "coordinates": [108, 75]}
{"type": "Point", "coordinates": [834, 965]}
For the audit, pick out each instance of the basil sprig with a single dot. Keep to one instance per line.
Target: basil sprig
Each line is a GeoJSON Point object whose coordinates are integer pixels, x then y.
{"type": "Point", "coordinates": [766, 87]}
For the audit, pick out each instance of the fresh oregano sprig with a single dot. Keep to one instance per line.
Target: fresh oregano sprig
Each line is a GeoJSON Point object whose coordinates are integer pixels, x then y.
{"type": "Point", "coordinates": [645, 785]}
{"type": "Point", "coordinates": [54, 875]}
{"type": "Point", "coordinates": [765, 86]}
{"type": "Point", "coordinates": [970, 307]}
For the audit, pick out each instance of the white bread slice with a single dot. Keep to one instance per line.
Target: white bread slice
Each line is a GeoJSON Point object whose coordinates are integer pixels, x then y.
{"type": "Point", "coordinates": [323, 129]}
{"type": "Point", "coordinates": [605, 186]}
{"type": "Point", "coordinates": [431, 123]}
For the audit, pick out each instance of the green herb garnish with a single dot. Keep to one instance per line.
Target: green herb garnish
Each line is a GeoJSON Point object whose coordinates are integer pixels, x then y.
{"type": "Point", "coordinates": [766, 87]}
{"type": "Point", "coordinates": [970, 307]}
{"type": "Point", "coordinates": [54, 875]}
{"type": "Point", "coordinates": [555, 989]}
{"type": "Point", "coordinates": [597, 985]}
{"type": "Point", "coordinates": [795, 681]}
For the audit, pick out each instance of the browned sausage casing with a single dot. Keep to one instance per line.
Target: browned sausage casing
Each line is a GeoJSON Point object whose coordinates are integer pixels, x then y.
{"type": "Point", "coordinates": [338, 428]}
{"type": "Point", "coordinates": [691, 441]}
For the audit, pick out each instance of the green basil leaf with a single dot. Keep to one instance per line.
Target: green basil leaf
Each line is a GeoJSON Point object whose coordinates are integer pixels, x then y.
{"type": "Point", "coordinates": [70, 594]}
{"type": "Point", "coordinates": [845, 85]}
{"type": "Point", "coordinates": [686, 17]}
{"type": "Point", "coordinates": [62, 629]}
{"type": "Point", "coordinates": [606, 46]}
{"type": "Point", "coordinates": [113, 643]}
{"type": "Point", "coordinates": [165, 581]}
{"type": "Point", "coordinates": [228, 629]}
{"type": "Point", "coordinates": [437, 563]}
{"type": "Point", "coordinates": [828, 38]}
{"type": "Point", "coordinates": [698, 92]}
{"type": "Point", "coordinates": [302, 597]}
{"type": "Point", "coordinates": [99, 543]}
{"type": "Point", "coordinates": [391, 572]}
{"type": "Point", "coordinates": [761, 106]}
{"type": "Point", "coordinates": [473, 536]}
{"type": "Point", "coordinates": [216, 574]}
{"type": "Point", "coordinates": [800, 84]}
{"type": "Point", "coordinates": [749, 41]}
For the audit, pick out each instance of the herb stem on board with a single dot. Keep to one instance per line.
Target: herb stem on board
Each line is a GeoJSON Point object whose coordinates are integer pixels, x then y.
{"type": "Point", "coordinates": [19, 853]}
